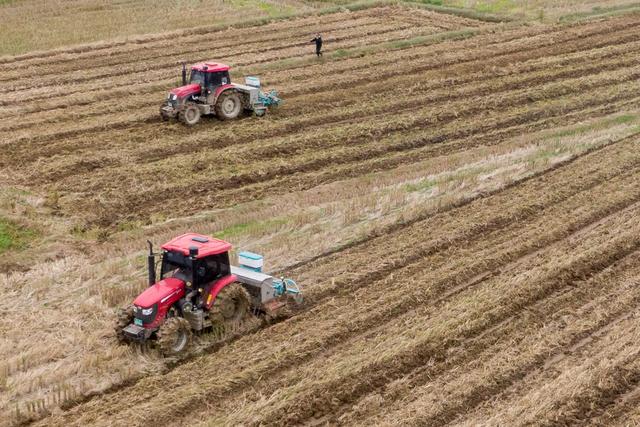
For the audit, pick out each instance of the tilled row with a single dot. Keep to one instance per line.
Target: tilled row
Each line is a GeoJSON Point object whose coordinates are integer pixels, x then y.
{"type": "Point", "coordinates": [310, 168]}
{"type": "Point", "coordinates": [341, 40]}
{"type": "Point", "coordinates": [382, 68]}
{"type": "Point", "coordinates": [583, 383]}
{"type": "Point", "coordinates": [223, 42]}
{"type": "Point", "coordinates": [290, 347]}
{"type": "Point", "coordinates": [428, 333]}
{"type": "Point", "coordinates": [408, 96]}
{"type": "Point", "coordinates": [102, 163]}
{"type": "Point", "coordinates": [503, 362]}
{"type": "Point", "coordinates": [217, 38]}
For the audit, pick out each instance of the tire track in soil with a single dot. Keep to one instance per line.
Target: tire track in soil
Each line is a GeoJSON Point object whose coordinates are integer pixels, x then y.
{"type": "Point", "coordinates": [479, 351]}
{"type": "Point", "coordinates": [505, 379]}
{"type": "Point", "coordinates": [216, 346]}
{"type": "Point", "coordinates": [331, 89]}
{"type": "Point", "coordinates": [551, 30]}
{"type": "Point", "coordinates": [321, 399]}
{"type": "Point", "coordinates": [421, 94]}
{"type": "Point", "coordinates": [177, 409]}
{"type": "Point", "coordinates": [299, 175]}
{"type": "Point", "coordinates": [31, 153]}
{"type": "Point", "coordinates": [92, 50]}
{"type": "Point", "coordinates": [342, 42]}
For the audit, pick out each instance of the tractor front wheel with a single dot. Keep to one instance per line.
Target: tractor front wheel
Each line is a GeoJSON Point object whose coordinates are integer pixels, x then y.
{"type": "Point", "coordinates": [123, 319]}
{"type": "Point", "coordinates": [190, 115]}
{"type": "Point", "coordinates": [229, 105]}
{"type": "Point", "coordinates": [174, 336]}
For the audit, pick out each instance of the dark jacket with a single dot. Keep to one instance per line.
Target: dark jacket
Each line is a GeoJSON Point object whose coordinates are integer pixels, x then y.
{"type": "Point", "coordinates": [318, 42]}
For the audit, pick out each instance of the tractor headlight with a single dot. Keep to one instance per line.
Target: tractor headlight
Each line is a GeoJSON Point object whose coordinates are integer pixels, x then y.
{"type": "Point", "coordinates": [147, 311]}
{"type": "Point", "coordinates": [174, 97]}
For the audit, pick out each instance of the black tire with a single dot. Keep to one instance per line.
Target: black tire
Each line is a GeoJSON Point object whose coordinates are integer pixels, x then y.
{"type": "Point", "coordinates": [229, 105]}
{"type": "Point", "coordinates": [232, 304]}
{"type": "Point", "coordinates": [123, 319]}
{"type": "Point", "coordinates": [174, 336]}
{"type": "Point", "coordinates": [190, 115]}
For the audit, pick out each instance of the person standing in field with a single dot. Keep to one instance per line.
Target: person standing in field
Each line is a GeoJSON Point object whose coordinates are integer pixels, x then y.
{"type": "Point", "coordinates": [318, 41]}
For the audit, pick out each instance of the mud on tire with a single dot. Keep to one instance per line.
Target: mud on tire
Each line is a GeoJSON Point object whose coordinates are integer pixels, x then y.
{"type": "Point", "coordinates": [123, 319]}
{"type": "Point", "coordinates": [232, 305]}
{"type": "Point", "coordinates": [174, 336]}
{"type": "Point", "coordinates": [190, 115]}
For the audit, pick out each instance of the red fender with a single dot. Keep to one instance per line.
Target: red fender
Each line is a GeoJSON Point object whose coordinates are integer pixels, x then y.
{"type": "Point", "coordinates": [217, 287]}
{"type": "Point", "coordinates": [219, 91]}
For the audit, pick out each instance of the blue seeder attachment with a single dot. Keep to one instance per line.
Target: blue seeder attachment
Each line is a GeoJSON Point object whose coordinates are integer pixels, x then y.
{"type": "Point", "coordinates": [287, 286]}
{"type": "Point", "coordinates": [269, 99]}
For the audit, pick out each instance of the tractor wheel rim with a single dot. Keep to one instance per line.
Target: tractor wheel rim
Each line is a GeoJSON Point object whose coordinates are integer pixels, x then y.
{"type": "Point", "coordinates": [228, 105]}
{"type": "Point", "coordinates": [229, 310]}
{"type": "Point", "coordinates": [180, 342]}
{"type": "Point", "coordinates": [190, 114]}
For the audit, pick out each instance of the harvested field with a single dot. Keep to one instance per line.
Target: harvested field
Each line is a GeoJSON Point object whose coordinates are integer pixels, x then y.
{"type": "Point", "coordinates": [549, 9]}
{"type": "Point", "coordinates": [457, 197]}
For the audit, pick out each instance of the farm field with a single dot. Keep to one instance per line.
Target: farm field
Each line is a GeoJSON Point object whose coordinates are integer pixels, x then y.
{"type": "Point", "coordinates": [458, 198]}
{"type": "Point", "coordinates": [548, 9]}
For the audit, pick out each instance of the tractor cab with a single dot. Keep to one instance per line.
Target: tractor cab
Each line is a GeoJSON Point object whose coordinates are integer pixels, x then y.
{"type": "Point", "coordinates": [195, 259]}
{"type": "Point", "coordinates": [210, 75]}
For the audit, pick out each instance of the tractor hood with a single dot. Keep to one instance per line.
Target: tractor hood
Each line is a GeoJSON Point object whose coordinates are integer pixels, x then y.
{"type": "Point", "coordinates": [184, 91]}
{"type": "Point", "coordinates": [159, 292]}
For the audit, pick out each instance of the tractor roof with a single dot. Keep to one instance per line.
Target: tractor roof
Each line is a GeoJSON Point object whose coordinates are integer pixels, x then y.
{"type": "Point", "coordinates": [211, 67]}
{"type": "Point", "coordinates": [206, 245]}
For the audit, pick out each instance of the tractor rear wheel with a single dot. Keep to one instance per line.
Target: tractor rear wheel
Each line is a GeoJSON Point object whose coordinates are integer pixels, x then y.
{"type": "Point", "coordinates": [231, 305]}
{"type": "Point", "coordinates": [190, 115]}
{"type": "Point", "coordinates": [229, 105]}
{"type": "Point", "coordinates": [174, 336]}
{"type": "Point", "coordinates": [123, 319]}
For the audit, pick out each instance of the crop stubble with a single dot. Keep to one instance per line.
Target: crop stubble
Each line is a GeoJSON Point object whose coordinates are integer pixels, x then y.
{"type": "Point", "coordinates": [474, 305]}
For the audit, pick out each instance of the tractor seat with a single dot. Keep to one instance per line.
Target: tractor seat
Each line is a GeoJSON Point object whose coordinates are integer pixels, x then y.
{"type": "Point", "coordinates": [182, 275]}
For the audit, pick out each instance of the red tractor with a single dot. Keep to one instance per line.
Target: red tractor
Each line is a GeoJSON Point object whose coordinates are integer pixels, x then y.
{"type": "Point", "coordinates": [198, 290]}
{"type": "Point", "coordinates": [210, 91]}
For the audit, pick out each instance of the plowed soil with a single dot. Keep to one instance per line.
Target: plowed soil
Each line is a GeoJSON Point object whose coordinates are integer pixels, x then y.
{"type": "Point", "coordinates": [519, 306]}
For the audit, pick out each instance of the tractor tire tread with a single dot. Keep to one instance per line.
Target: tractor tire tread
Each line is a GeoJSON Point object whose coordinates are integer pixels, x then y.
{"type": "Point", "coordinates": [218, 106]}
{"type": "Point", "coordinates": [168, 333]}
{"type": "Point", "coordinates": [233, 294]}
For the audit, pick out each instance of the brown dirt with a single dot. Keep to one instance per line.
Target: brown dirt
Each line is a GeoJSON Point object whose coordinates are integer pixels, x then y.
{"type": "Point", "coordinates": [518, 306]}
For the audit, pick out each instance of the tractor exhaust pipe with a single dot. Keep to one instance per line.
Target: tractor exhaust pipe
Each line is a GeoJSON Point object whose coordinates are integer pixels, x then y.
{"type": "Point", "coordinates": [151, 264]}
{"type": "Point", "coordinates": [184, 73]}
